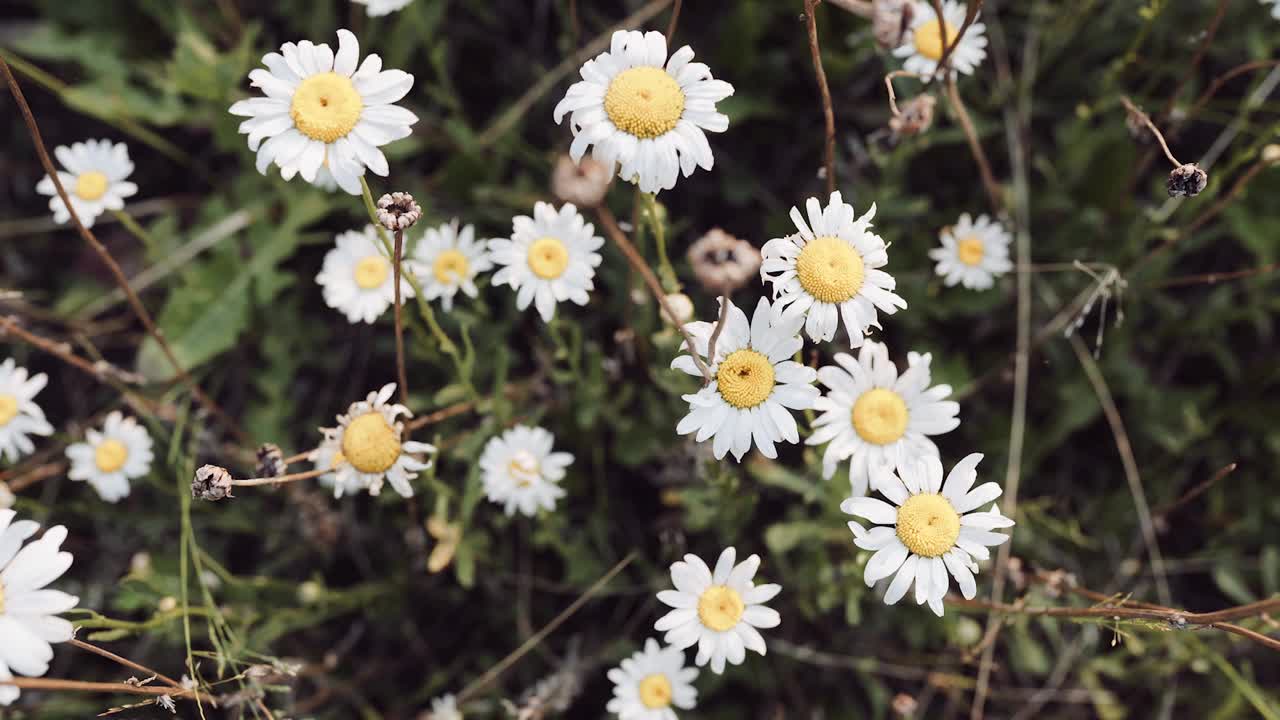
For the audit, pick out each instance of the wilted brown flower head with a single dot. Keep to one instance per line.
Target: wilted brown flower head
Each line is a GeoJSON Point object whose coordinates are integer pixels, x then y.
{"type": "Point", "coordinates": [270, 461]}
{"type": "Point", "coordinates": [398, 211]}
{"type": "Point", "coordinates": [916, 117]}
{"type": "Point", "coordinates": [211, 483]}
{"type": "Point", "coordinates": [1187, 181]}
{"type": "Point", "coordinates": [583, 183]}
{"type": "Point", "coordinates": [722, 262]}
{"type": "Point", "coordinates": [890, 20]}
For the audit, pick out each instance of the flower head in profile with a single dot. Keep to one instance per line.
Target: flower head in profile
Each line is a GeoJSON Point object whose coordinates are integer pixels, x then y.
{"type": "Point", "coordinates": [930, 529]}
{"type": "Point", "coordinates": [357, 277]}
{"type": "Point", "coordinates": [645, 112]}
{"type": "Point", "coordinates": [20, 416]}
{"type": "Point", "coordinates": [923, 41]}
{"type": "Point", "coordinates": [521, 472]}
{"type": "Point", "coordinates": [647, 685]}
{"type": "Point", "coordinates": [448, 259]}
{"type": "Point", "coordinates": [874, 417]}
{"type": "Point", "coordinates": [583, 183]}
{"type": "Point", "coordinates": [377, 8]}
{"type": "Point", "coordinates": [717, 611]}
{"type": "Point", "coordinates": [95, 175]}
{"type": "Point", "coordinates": [829, 272]}
{"type": "Point", "coordinates": [109, 458]}
{"type": "Point", "coordinates": [755, 385]}
{"type": "Point", "coordinates": [973, 253]}
{"type": "Point", "coordinates": [722, 262]}
{"type": "Point", "coordinates": [368, 448]}
{"type": "Point", "coordinates": [549, 258]}
{"type": "Point", "coordinates": [28, 609]}
{"type": "Point", "coordinates": [325, 110]}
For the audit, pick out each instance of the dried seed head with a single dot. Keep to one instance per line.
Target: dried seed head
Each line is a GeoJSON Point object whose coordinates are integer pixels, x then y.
{"type": "Point", "coordinates": [722, 262]}
{"type": "Point", "coordinates": [889, 21]}
{"type": "Point", "coordinates": [682, 306]}
{"type": "Point", "coordinates": [398, 211]}
{"type": "Point", "coordinates": [1136, 124]}
{"type": "Point", "coordinates": [211, 483]}
{"type": "Point", "coordinates": [1187, 181]}
{"type": "Point", "coordinates": [583, 183]}
{"type": "Point", "coordinates": [904, 706]}
{"type": "Point", "coordinates": [270, 461]}
{"type": "Point", "coordinates": [916, 117]}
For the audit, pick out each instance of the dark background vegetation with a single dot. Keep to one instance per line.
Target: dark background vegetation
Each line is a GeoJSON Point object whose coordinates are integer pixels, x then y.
{"type": "Point", "coordinates": [341, 586]}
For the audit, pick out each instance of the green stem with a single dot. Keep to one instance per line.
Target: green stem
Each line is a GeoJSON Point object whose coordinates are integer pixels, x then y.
{"type": "Point", "coordinates": [665, 270]}
{"type": "Point", "coordinates": [136, 228]}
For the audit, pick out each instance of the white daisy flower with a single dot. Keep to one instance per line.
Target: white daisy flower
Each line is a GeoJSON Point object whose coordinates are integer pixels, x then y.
{"type": "Point", "coordinates": [652, 681]}
{"type": "Point", "coordinates": [27, 608]}
{"type": "Point", "coordinates": [932, 529]}
{"type": "Point", "coordinates": [95, 178]}
{"type": "Point", "coordinates": [357, 277]}
{"type": "Point", "coordinates": [520, 471]}
{"type": "Point", "coordinates": [549, 258]}
{"type": "Point", "coordinates": [720, 611]}
{"type": "Point", "coordinates": [828, 271]}
{"type": "Point", "coordinates": [444, 707]}
{"type": "Point", "coordinates": [973, 253]}
{"type": "Point", "coordinates": [922, 46]}
{"type": "Point", "coordinates": [448, 260]}
{"type": "Point", "coordinates": [376, 8]}
{"type": "Point", "coordinates": [110, 458]}
{"type": "Point", "coordinates": [368, 448]}
{"type": "Point", "coordinates": [873, 417]}
{"type": "Point", "coordinates": [320, 110]}
{"type": "Point", "coordinates": [647, 118]}
{"type": "Point", "coordinates": [756, 381]}
{"type": "Point", "coordinates": [1275, 7]}
{"type": "Point", "coordinates": [20, 416]}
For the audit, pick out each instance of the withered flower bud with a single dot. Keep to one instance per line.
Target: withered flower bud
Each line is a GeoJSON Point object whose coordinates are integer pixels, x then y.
{"type": "Point", "coordinates": [916, 117]}
{"type": "Point", "coordinates": [1187, 181]}
{"type": "Point", "coordinates": [583, 183]}
{"type": "Point", "coordinates": [889, 21]}
{"type": "Point", "coordinates": [722, 262]}
{"type": "Point", "coordinates": [398, 211]}
{"type": "Point", "coordinates": [270, 461]}
{"type": "Point", "coordinates": [211, 483]}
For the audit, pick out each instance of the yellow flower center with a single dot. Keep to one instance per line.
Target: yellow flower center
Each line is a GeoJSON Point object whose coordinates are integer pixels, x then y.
{"type": "Point", "coordinates": [929, 41]}
{"type": "Point", "coordinates": [548, 258]}
{"type": "Point", "coordinates": [655, 691]}
{"type": "Point", "coordinates": [8, 409]}
{"type": "Point", "coordinates": [338, 459]}
{"type": "Point", "coordinates": [523, 467]}
{"type": "Point", "coordinates": [91, 185]}
{"type": "Point", "coordinates": [326, 107]}
{"type": "Point", "coordinates": [745, 378]}
{"type": "Point", "coordinates": [451, 267]}
{"type": "Point", "coordinates": [371, 272]}
{"type": "Point", "coordinates": [830, 269]}
{"type": "Point", "coordinates": [720, 607]}
{"type": "Point", "coordinates": [110, 455]}
{"type": "Point", "coordinates": [370, 444]}
{"type": "Point", "coordinates": [644, 101]}
{"type": "Point", "coordinates": [928, 525]}
{"type": "Point", "coordinates": [970, 250]}
{"type": "Point", "coordinates": [880, 416]}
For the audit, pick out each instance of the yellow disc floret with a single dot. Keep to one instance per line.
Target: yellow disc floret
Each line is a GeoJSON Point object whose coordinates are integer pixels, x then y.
{"type": "Point", "coordinates": [745, 379]}
{"type": "Point", "coordinates": [655, 691]}
{"type": "Point", "coordinates": [8, 409]}
{"type": "Point", "coordinates": [720, 607]}
{"type": "Point", "coordinates": [970, 250]}
{"type": "Point", "coordinates": [548, 258]}
{"type": "Point", "coordinates": [644, 101]}
{"type": "Point", "coordinates": [928, 525]}
{"type": "Point", "coordinates": [110, 455]}
{"type": "Point", "coordinates": [371, 272]}
{"type": "Point", "coordinates": [91, 185]}
{"type": "Point", "coordinates": [830, 269]}
{"type": "Point", "coordinates": [880, 416]}
{"type": "Point", "coordinates": [928, 40]}
{"type": "Point", "coordinates": [524, 468]}
{"type": "Point", "coordinates": [370, 444]}
{"type": "Point", "coordinates": [450, 267]}
{"type": "Point", "coordinates": [326, 107]}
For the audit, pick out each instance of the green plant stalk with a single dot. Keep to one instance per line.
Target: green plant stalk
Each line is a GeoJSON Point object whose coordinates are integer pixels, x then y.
{"type": "Point", "coordinates": [136, 228]}
{"type": "Point", "coordinates": [668, 273]}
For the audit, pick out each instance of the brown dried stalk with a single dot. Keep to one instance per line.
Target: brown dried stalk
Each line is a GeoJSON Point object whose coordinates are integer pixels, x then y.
{"type": "Point", "coordinates": [828, 115]}
{"type": "Point", "coordinates": [1137, 112]}
{"type": "Point", "coordinates": [400, 371]}
{"type": "Point", "coordinates": [100, 370]}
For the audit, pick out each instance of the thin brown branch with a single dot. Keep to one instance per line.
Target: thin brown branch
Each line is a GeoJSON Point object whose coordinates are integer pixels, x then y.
{"type": "Point", "coordinates": [124, 661]}
{"type": "Point", "coordinates": [100, 370]}
{"type": "Point", "coordinates": [1214, 278]}
{"type": "Point", "coordinates": [1221, 80]}
{"type": "Point", "coordinates": [400, 371]}
{"type": "Point", "coordinates": [893, 96]}
{"type": "Point", "coordinates": [440, 415]}
{"type": "Point", "coordinates": [38, 474]}
{"type": "Point", "coordinates": [971, 13]}
{"type": "Point", "coordinates": [1193, 493]}
{"type": "Point", "coordinates": [1185, 76]}
{"type": "Point", "coordinates": [720, 323]}
{"type": "Point", "coordinates": [81, 686]}
{"type": "Point", "coordinates": [828, 114]}
{"type": "Point", "coordinates": [975, 146]}
{"type": "Point", "coordinates": [675, 18]}
{"type": "Point", "coordinates": [281, 479]}
{"type": "Point", "coordinates": [1137, 112]}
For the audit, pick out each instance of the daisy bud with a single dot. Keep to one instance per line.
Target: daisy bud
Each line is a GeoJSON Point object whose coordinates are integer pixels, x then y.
{"type": "Point", "coordinates": [916, 117]}
{"type": "Point", "coordinates": [140, 564]}
{"type": "Point", "coordinates": [682, 306]}
{"type": "Point", "coordinates": [1271, 154]}
{"type": "Point", "coordinates": [309, 592]}
{"type": "Point", "coordinates": [583, 183]}
{"type": "Point", "coordinates": [447, 536]}
{"type": "Point", "coordinates": [722, 262]}
{"type": "Point", "coordinates": [168, 603]}
{"type": "Point", "coordinates": [211, 483]}
{"type": "Point", "coordinates": [889, 21]}
{"type": "Point", "coordinates": [904, 706]}
{"type": "Point", "coordinates": [398, 211]}
{"type": "Point", "coordinates": [1187, 181]}
{"type": "Point", "coordinates": [270, 461]}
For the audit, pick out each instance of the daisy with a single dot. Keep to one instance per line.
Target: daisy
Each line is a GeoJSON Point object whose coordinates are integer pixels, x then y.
{"type": "Point", "coordinates": [720, 611]}
{"type": "Point", "coordinates": [1275, 7]}
{"type": "Point", "coordinates": [756, 381]}
{"type": "Point", "coordinates": [923, 42]}
{"type": "Point", "coordinates": [973, 253]}
{"type": "Point", "coordinates": [448, 260]}
{"type": "Point", "coordinates": [110, 458]}
{"type": "Point", "coordinates": [873, 417]}
{"type": "Point", "coordinates": [932, 529]}
{"type": "Point", "coordinates": [368, 448]}
{"type": "Point", "coordinates": [651, 681]}
{"type": "Point", "coordinates": [357, 277]}
{"type": "Point", "coordinates": [28, 609]}
{"type": "Point", "coordinates": [94, 178]}
{"type": "Point", "coordinates": [828, 271]}
{"type": "Point", "coordinates": [521, 472]}
{"type": "Point", "coordinates": [320, 110]}
{"type": "Point", "coordinates": [383, 7]}
{"type": "Point", "coordinates": [20, 416]}
{"type": "Point", "coordinates": [550, 257]}
{"type": "Point", "coordinates": [647, 118]}
{"type": "Point", "coordinates": [444, 707]}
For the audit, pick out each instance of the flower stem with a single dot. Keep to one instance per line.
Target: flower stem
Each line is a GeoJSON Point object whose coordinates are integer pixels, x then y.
{"type": "Point", "coordinates": [668, 273]}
